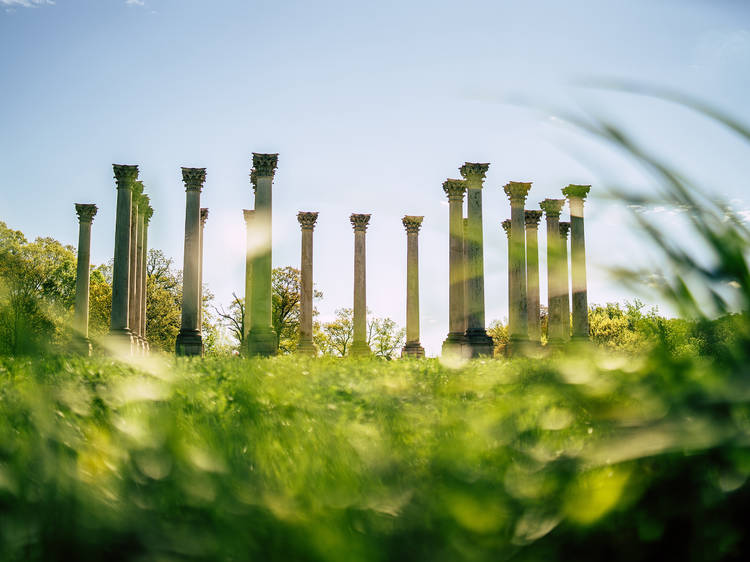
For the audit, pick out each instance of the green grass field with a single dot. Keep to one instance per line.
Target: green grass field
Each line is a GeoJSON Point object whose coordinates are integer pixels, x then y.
{"type": "Point", "coordinates": [584, 456]}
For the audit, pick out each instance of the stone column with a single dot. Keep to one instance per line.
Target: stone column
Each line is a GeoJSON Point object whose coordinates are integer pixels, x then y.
{"type": "Point", "coordinates": [119, 328]}
{"type": "Point", "coordinates": [413, 347]}
{"type": "Point", "coordinates": [249, 258]}
{"type": "Point", "coordinates": [518, 317]}
{"type": "Point", "coordinates": [552, 208]}
{"type": "Point", "coordinates": [262, 337]}
{"type": "Point", "coordinates": [565, 277]}
{"type": "Point", "coordinates": [134, 266]}
{"type": "Point", "coordinates": [478, 342]}
{"type": "Point", "coordinates": [576, 195]}
{"type": "Point", "coordinates": [81, 343]}
{"type": "Point", "coordinates": [148, 213]}
{"type": "Point", "coordinates": [455, 344]}
{"type": "Point", "coordinates": [532, 276]}
{"type": "Point", "coordinates": [506, 227]}
{"type": "Point", "coordinates": [204, 216]}
{"type": "Point", "coordinates": [307, 224]}
{"type": "Point", "coordinates": [189, 341]}
{"type": "Point", "coordinates": [359, 342]}
{"type": "Point", "coordinates": [465, 233]}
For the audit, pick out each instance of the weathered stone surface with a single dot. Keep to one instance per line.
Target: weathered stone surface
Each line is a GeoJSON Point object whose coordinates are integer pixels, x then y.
{"type": "Point", "coordinates": [413, 347]}
{"type": "Point", "coordinates": [532, 275]}
{"type": "Point", "coordinates": [518, 327]}
{"type": "Point", "coordinates": [565, 276]}
{"type": "Point", "coordinates": [552, 209]}
{"type": "Point", "coordinates": [576, 195]}
{"type": "Point", "coordinates": [264, 165]}
{"type": "Point", "coordinates": [455, 344]}
{"type": "Point", "coordinates": [307, 222]}
{"type": "Point", "coordinates": [359, 341]}
{"type": "Point", "coordinates": [81, 343]}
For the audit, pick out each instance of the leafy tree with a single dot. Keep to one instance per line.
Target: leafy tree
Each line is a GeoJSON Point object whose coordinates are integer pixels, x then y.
{"type": "Point", "coordinates": [384, 336]}
{"type": "Point", "coordinates": [499, 334]}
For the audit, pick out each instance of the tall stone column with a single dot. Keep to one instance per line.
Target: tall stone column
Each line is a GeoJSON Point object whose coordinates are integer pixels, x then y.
{"type": "Point", "coordinates": [262, 337]}
{"type": "Point", "coordinates": [455, 344]}
{"type": "Point", "coordinates": [478, 342]}
{"type": "Point", "coordinates": [189, 341]}
{"type": "Point", "coordinates": [576, 194]}
{"type": "Point", "coordinates": [359, 342]}
{"type": "Point", "coordinates": [506, 227]}
{"type": "Point", "coordinates": [134, 267]}
{"type": "Point", "coordinates": [147, 214]}
{"type": "Point", "coordinates": [465, 233]}
{"type": "Point", "coordinates": [552, 208]}
{"type": "Point", "coordinates": [204, 217]}
{"type": "Point", "coordinates": [565, 277]}
{"type": "Point", "coordinates": [413, 347]}
{"type": "Point", "coordinates": [532, 276]}
{"type": "Point", "coordinates": [307, 224]}
{"type": "Point", "coordinates": [518, 317]}
{"type": "Point", "coordinates": [122, 337]}
{"type": "Point", "coordinates": [81, 343]}
{"type": "Point", "coordinates": [248, 214]}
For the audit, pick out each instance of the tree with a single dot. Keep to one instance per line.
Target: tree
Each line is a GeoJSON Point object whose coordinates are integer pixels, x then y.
{"type": "Point", "coordinates": [499, 334]}
{"type": "Point", "coordinates": [384, 336]}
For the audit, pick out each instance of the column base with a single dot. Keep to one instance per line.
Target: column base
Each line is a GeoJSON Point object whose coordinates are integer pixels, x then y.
{"type": "Point", "coordinates": [455, 346]}
{"type": "Point", "coordinates": [360, 349]}
{"type": "Point", "coordinates": [479, 343]}
{"type": "Point", "coordinates": [520, 347]}
{"type": "Point", "coordinates": [189, 343]}
{"type": "Point", "coordinates": [412, 349]}
{"type": "Point", "coordinates": [81, 346]}
{"type": "Point", "coordinates": [120, 341]}
{"type": "Point", "coordinates": [262, 342]}
{"type": "Point", "coordinates": [307, 347]}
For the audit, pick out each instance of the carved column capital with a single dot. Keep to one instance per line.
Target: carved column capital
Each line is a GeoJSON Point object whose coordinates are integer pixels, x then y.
{"type": "Point", "coordinates": [474, 173]}
{"type": "Point", "coordinates": [86, 211]}
{"type": "Point", "coordinates": [517, 191]}
{"type": "Point", "coordinates": [264, 165]}
{"type": "Point", "coordinates": [360, 222]}
{"type": "Point", "coordinates": [307, 219]}
{"type": "Point", "coordinates": [148, 213]}
{"type": "Point", "coordinates": [454, 189]}
{"type": "Point", "coordinates": [125, 175]}
{"type": "Point", "coordinates": [143, 204]}
{"type": "Point", "coordinates": [193, 178]}
{"type": "Point", "coordinates": [412, 224]}
{"type": "Point", "coordinates": [204, 216]}
{"type": "Point", "coordinates": [552, 207]}
{"type": "Point", "coordinates": [564, 229]}
{"type": "Point", "coordinates": [506, 226]}
{"type": "Point", "coordinates": [254, 179]}
{"type": "Point", "coordinates": [532, 218]}
{"type": "Point", "coordinates": [576, 191]}
{"type": "Point", "coordinates": [248, 214]}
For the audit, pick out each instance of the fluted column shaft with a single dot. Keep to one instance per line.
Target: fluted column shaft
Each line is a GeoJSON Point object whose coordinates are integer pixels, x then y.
{"type": "Point", "coordinates": [518, 322]}
{"type": "Point", "coordinates": [189, 341]}
{"type": "Point", "coordinates": [576, 195]}
{"type": "Point", "coordinates": [565, 278]}
{"type": "Point", "coordinates": [413, 346]}
{"type": "Point", "coordinates": [532, 275]}
{"type": "Point", "coordinates": [307, 223]}
{"type": "Point", "coordinates": [119, 327]}
{"type": "Point", "coordinates": [552, 208]}
{"type": "Point", "coordinates": [248, 214]}
{"type": "Point", "coordinates": [359, 341]}
{"type": "Point", "coordinates": [86, 215]}
{"type": "Point", "coordinates": [262, 339]}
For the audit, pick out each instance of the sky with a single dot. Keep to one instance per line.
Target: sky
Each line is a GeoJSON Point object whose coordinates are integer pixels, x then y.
{"type": "Point", "coordinates": [371, 106]}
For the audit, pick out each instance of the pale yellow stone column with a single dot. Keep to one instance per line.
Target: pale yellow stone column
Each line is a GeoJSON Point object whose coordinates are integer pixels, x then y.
{"type": "Point", "coordinates": [455, 343]}
{"type": "Point", "coordinates": [250, 250]}
{"type": "Point", "coordinates": [552, 208]}
{"type": "Point", "coordinates": [576, 195]}
{"type": "Point", "coordinates": [148, 213]}
{"type": "Point", "coordinates": [413, 347]}
{"type": "Point", "coordinates": [565, 276]}
{"type": "Point", "coordinates": [506, 227]}
{"type": "Point", "coordinates": [134, 267]}
{"type": "Point", "coordinates": [307, 222]}
{"type": "Point", "coordinates": [532, 276]}
{"type": "Point", "coordinates": [359, 342]}
{"type": "Point", "coordinates": [518, 319]}
{"type": "Point", "coordinates": [81, 343]}
{"type": "Point", "coordinates": [204, 218]}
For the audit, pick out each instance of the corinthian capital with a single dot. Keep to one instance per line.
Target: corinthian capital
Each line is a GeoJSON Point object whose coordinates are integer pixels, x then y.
{"type": "Point", "coordinates": [193, 178]}
{"type": "Point", "coordinates": [248, 214]}
{"type": "Point", "coordinates": [506, 226]}
{"type": "Point", "coordinates": [552, 207]}
{"type": "Point", "coordinates": [359, 222]}
{"type": "Point", "coordinates": [265, 164]}
{"type": "Point", "coordinates": [125, 175]}
{"type": "Point", "coordinates": [85, 211]}
{"type": "Point", "coordinates": [474, 173]}
{"type": "Point", "coordinates": [454, 189]}
{"type": "Point", "coordinates": [532, 218]}
{"type": "Point", "coordinates": [147, 214]}
{"type": "Point", "coordinates": [564, 229]}
{"type": "Point", "coordinates": [412, 224]}
{"type": "Point", "coordinates": [576, 191]}
{"type": "Point", "coordinates": [517, 191]}
{"type": "Point", "coordinates": [204, 216]}
{"type": "Point", "coordinates": [144, 202]}
{"type": "Point", "coordinates": [307, 219]}
{"type": "Point", "coordinates": [254, 179]}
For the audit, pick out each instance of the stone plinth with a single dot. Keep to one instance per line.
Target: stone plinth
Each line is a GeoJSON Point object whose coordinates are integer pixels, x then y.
{"type": "Point", "coordinates": [413, 347]}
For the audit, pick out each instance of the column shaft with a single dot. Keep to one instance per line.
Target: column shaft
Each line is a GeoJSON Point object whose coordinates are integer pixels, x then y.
{"type": "Point", "coordinates": [139, 285]}
{"type": "Point", "coordinates": [359, 341]}
{"type": "Point", "coordinates": [565, 280]}
{"type": "Point", "coordinates": [144, 277]}
{"type": "Point", "coordinates": [552, 209]}
{"type": "Point", "coordinates": [81, 320]}
{"type": "Point", "coordinates": [204, 216]}
{"type": "Point", "coordinates": [134, 263]}
{"type": "Point", "coordinates": [532, 275]}
{"type": "Point", "coordinates": [249, 259]}
{"type": "Point", "coordinates": [413, 346]}
{"type": "Point", "coordinates": [518, 317]}
{"type": "Point", "coordinates": [455, 343]}
{"type": "Point", "coordinates": [576, 195]}
{"type": "Point", "coordinates": [465, 223]}
{"type": "Point", "coordinates": [307, 222]}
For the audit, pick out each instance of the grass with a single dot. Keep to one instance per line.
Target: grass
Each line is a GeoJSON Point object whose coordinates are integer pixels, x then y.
{"type": "Point", "coordinates": [295, 459]}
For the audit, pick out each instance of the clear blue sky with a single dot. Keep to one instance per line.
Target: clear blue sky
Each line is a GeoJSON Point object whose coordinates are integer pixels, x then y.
{"type": "Point", "coordinates": [371, 106]}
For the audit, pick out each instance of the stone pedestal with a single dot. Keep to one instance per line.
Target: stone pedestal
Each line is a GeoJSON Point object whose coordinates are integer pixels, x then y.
{"type": "Point", "coordinates": [307, 224]}
{"type": "Point", "coordinates": [359, 342]}
{"type": "Point", "coordinates": [189, 341]}
{"type": "Point", "coordinates": [565, 277]}
{"type": "Point", "coordinates": [518, 326]}
{"type": "Point", "coordinates": [413, 347]}
{"type": "Point", "coordinates": [456, 344]}
{"type": "Point", "coordinates": [532, 276]}
{"type": "Point", "coordinates": [261, 339]}
{"type": "Point", "coordinates": [121, 337]}
{"type": "Point", "coordinates": [81, 343]}
{"type": "Point", "coordinates": [576, 195]}
{"type": "Point", "coordinates": [552, 208]}
{"type": "Point", "coordinates": [250, 250]}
